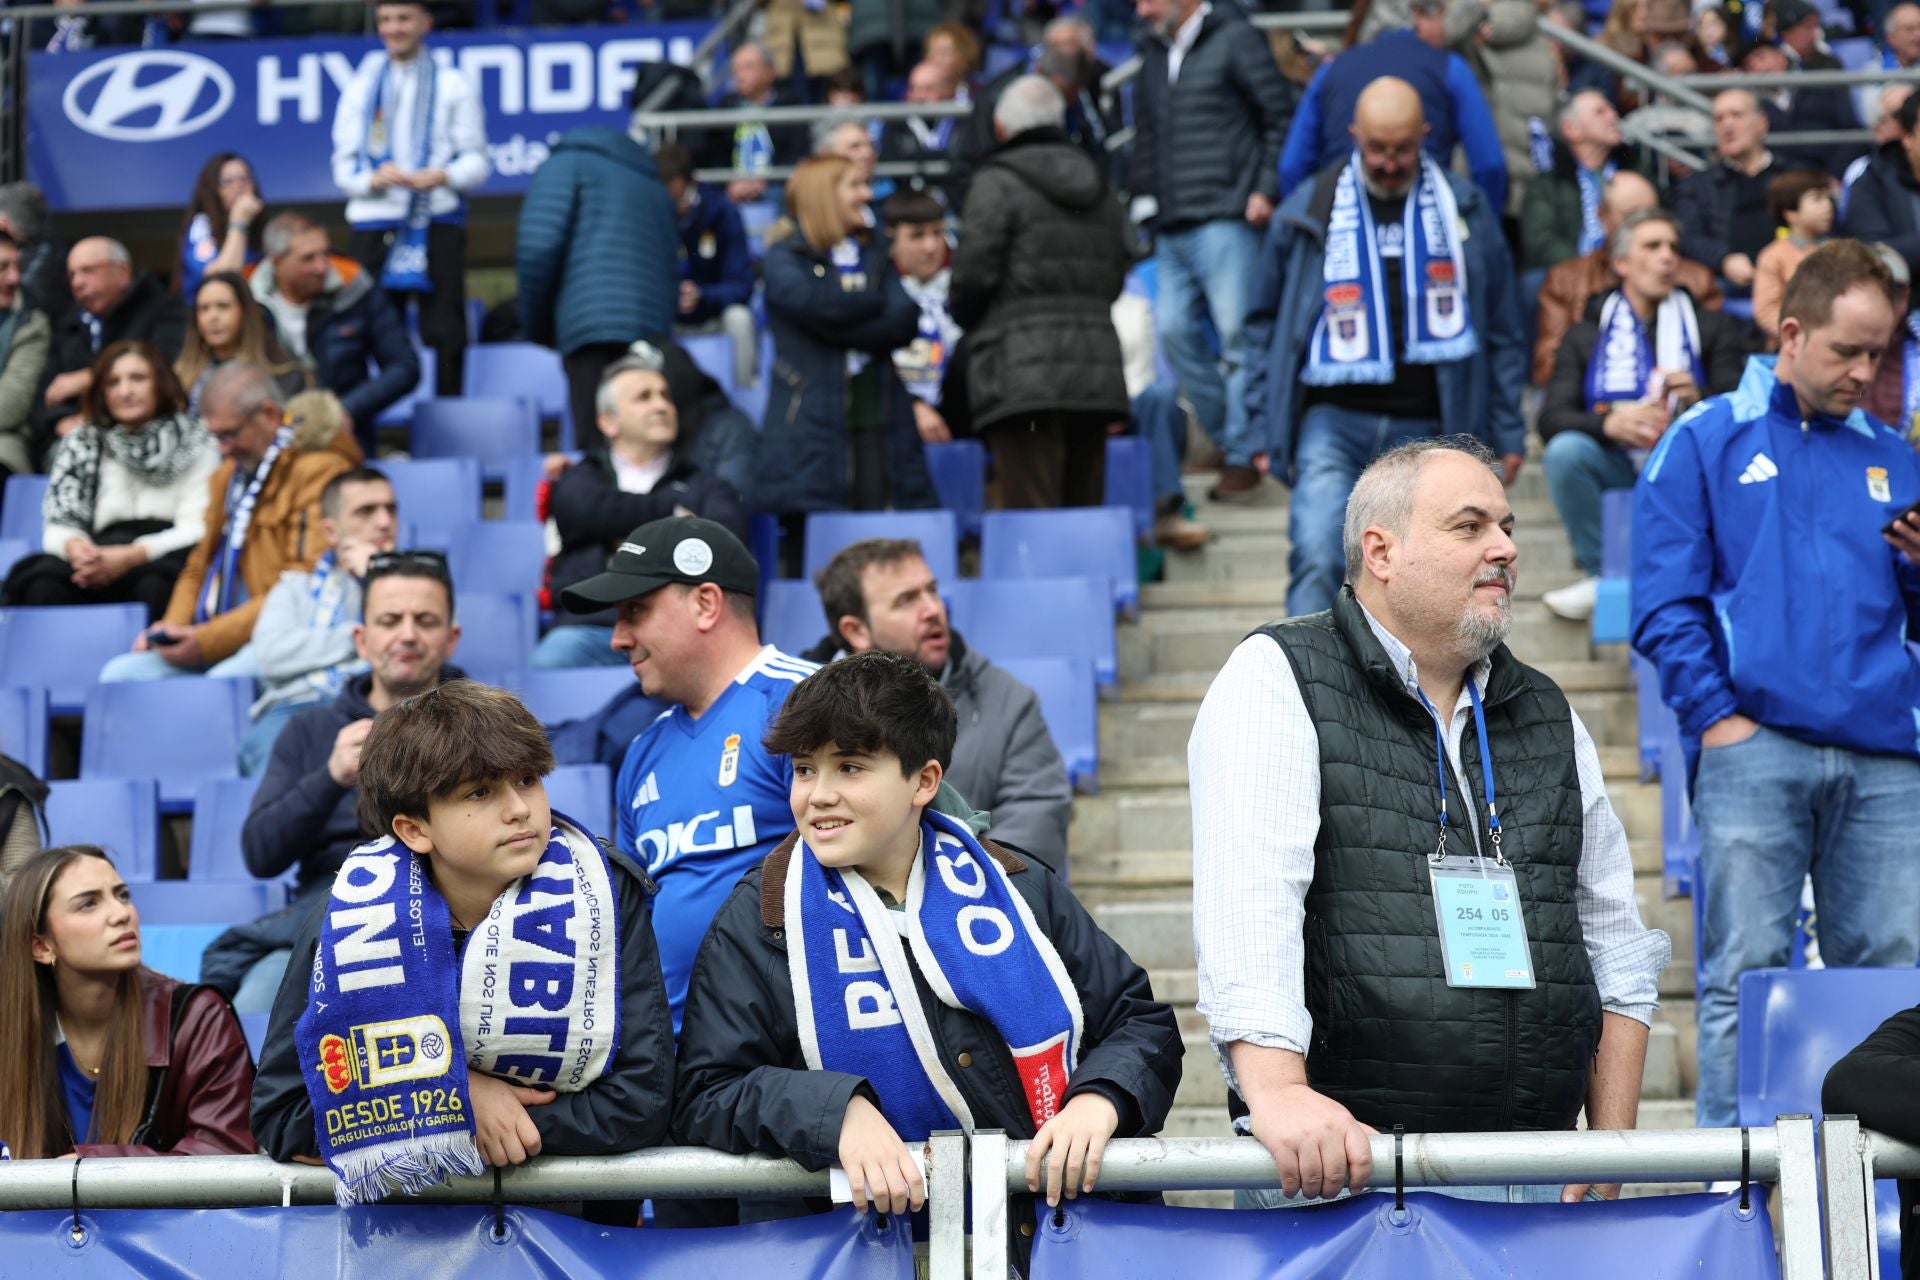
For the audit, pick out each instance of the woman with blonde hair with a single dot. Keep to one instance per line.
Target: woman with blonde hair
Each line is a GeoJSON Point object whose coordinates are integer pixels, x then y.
{"type": "Point", "coordinates": [839, 428]}
{"type": "Point", "coordinates": [106, 1057]}
{"type": "Point", "coordinates": [230, 324]}
{"type": "Point", "coordinates": [126, 491]}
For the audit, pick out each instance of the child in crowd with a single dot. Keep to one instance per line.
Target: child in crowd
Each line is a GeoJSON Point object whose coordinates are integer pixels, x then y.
{"type": "Point", "coordinates": [106, 1057]}
{"type": "Point", "coordinates": [918, 224]}
{"type": "Point", "coordinates": [1801, 202]}
{"type": "Point", "coordinates": [885, 974]}
{"type": "Point", "coordinates": [482, 986]}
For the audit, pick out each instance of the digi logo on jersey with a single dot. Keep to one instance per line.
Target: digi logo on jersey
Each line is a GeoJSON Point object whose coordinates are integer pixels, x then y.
{"type": "Point", "coordinates": [704, 833]}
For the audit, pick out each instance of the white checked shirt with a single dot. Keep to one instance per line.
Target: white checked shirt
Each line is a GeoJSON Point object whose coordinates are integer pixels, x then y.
{"type": "Point", "coordinates": [1254, 769]}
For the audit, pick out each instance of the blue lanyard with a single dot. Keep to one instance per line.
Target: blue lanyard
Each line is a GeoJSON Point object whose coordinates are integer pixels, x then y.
{"type": "Point", "coordinates": [1486, 770]}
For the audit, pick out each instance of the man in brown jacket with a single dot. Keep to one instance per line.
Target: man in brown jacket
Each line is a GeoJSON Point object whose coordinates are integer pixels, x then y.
{"type": "Point", "coordinates": [267, 493]}
{"type": "Point", "coordinates": [1572, 284]}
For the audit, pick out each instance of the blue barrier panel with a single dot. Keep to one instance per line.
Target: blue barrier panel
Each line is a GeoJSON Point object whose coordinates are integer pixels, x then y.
{"type": "Point", "coordinates": [381, 1242]}
{"type": "Point", "coordinates": [1704, 1237]}
{"type": "Point", "coordinates": [151, 117]}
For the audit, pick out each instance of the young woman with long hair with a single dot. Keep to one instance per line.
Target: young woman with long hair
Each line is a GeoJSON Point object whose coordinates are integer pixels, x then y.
{"type": "Point", "coordinates": [839, 428]}
{"type": "Point", "coordinates": [105, 1057]}
{"type": "Point", "coordinates": [126, 491]}
{"type": "Point", "coordinates": [230, 324]}
{"type": "Point", "coordinates": [221, 231]}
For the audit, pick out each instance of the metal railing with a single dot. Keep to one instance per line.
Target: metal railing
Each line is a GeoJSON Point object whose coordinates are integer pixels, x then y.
{"type": "Point", "coordinates": [1782, 1154]}
{"type": "Point", "coordinates": [1851, 1159]}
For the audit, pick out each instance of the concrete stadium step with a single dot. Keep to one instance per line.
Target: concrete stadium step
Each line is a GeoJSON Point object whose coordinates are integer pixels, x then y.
{"type": "Point", "coordinates": [1529, 487]}
{"type": "Point", "coordinates": [1270, 515]}
{"type": "Point", "coordinates": [1236, 557]}
{"type": "Point", "coordinates": [1144, 870]}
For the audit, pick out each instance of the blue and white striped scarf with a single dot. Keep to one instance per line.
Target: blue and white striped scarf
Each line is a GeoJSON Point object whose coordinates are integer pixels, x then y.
{"type": "Point", "coordinates": [1624, 362]}
{"type": "Point", "coordinates": [1351, 343]}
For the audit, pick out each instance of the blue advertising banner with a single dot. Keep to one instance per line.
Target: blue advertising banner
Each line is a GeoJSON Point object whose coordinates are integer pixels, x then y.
{"type": "Point", "coordinates": [1703, 1237]}
{"type": "Point", "coordinates": [123, 128]}
{"type": "Point", "coordinates": [379, 1242]}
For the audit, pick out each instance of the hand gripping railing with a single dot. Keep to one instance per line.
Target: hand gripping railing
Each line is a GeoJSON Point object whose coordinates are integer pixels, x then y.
{"type": "Point", "coordinates": [1782, 1153]}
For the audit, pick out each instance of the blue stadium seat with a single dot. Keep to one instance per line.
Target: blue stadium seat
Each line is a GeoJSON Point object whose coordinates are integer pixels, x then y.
{"type": "Point", "coordinates": [1796, 1023]}
{"type": "Point", "coordinates": [497, 633]}
{"type": "Point", "coordinates": [436, 495]}
{"type": "Point", "coordinates": [520, 485]}
{"type": "Point", "coordinates": [556, 695]}
{"type": "Point", "coordinates": [12, 552]}
{"type": "Point", "coordinates": [180, 918]}
{"type": "Point", "coordinates": [523, 371]}
{"type": "Point", "coordinates": [1854, 52]}
{"type": "Point", "coordinates": [997, 617]}
{"type": "Point", "coordinates": [21, 508]}
{"type": "Point", "coordinates": [1616, 533]}
{"type": "Point", "coordinates": [584, 792]}
{"type": "Point", "coordinates": [400, 412]}
{"type": "Point", "coordinates": [178, 732]}
{"type": "Point", "coordinates": [502, 556]}
{"type": "Point", "coordinates": [1073, 542]}
{"type": "Point", "coordinates": [254, 1027]}
{"type": "Point", "coordinates": [792, 618]}
{"type": "Point", "coordinates": [937, 531]}
{"type": "Point", "coordinates": [752, 401]}
{"type": "Point", "coordinates": [121, 815]}
{"type": "Point", "coordinates": [61, 648]}
{"type": "Point", "coordinates": [23, 727]}
{"type": "Point", "coordinates": [493, 432]}
{"type": "Point", "coordinates": [1069, 700]}
{"type": "Point", "coordinates": [713, 353]}
{"type": "Point", "coordinates": [220, 808]}
{"type": "Point", "coordinates": [959, 471]}
{"type": "Point", "coordinates": [1130, 480]}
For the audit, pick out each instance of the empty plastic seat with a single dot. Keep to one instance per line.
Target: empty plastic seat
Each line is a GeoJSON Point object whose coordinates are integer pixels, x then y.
{"type": "Point", "coordinates": [12, 552]}
{"type": "Point", "coordinates": [713, 353]}
{"type": "Point", "coordinates": [959, 471]}
{"type": "Point", "coordinates": [23, 727]}
{"type": "Point", "coordinates": [503, 556]}
{"type": "Point", "coordinates": [584, 792]}
{"type": "Point", "coordinates": [1069, 699]}
{"type": "Point", "coordinates": [220, 808]}
{"type": "Point", "coordinates": [523, 371]}
{"type": "Point", "coordinates": [254, 1027]}
{"type": "Point", "coordinates": [792, 617]}
{"type": "Point", "coordinates": [61, 648]}
{"type": "Point", "coordinates": [21, 504]}
{"type": "Point", "coordinates": [493, 432]}
{"type": "Point", "coordinates": [1616, 533]}
{"type": "Point", "coordinates": [1074, 542]}
{"type": "Point", "coordinates": [938, 533]}
{"type": "Point", "coordinates": [556, 695]}
{"type": "Point", "coordinates": [436, 495]}
{"type": "Point", "coordinates": [179, 732]}
{"type": "Point", "coordinates": [1796, 1023]}
{"type": "Point", "coordinates": [121, 815]}
{"type": "Point", "coordinates": [179, 918]}
{"type": "Point", "coordinates": [1130, 480]}
{"type": "Point", "coordinates": [497, 633]}
{"type": "Point", "coordinates": [400, 412]}
{"type": "Point", "coordinates": [520, 485]}
{"type": "Point", "coordinates": [999, 617]}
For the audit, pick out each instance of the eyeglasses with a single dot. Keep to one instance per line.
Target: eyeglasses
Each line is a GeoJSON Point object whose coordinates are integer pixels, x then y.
{"type": "Point", "coordinates": [423, 560]}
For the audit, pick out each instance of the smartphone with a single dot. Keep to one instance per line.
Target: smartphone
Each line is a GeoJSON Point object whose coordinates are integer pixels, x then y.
{"type": "Point", "coordinates": [161, 640]}
{"type": "Point", "coordinates": [1887, 528]}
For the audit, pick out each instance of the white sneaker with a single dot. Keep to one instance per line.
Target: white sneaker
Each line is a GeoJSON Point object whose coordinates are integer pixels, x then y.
{"type": "Point", "coordinates": [1573, 602]}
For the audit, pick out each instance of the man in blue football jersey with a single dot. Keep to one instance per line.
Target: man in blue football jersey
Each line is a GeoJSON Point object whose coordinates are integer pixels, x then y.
{"type": "Point", "coordinates": [699, 802]}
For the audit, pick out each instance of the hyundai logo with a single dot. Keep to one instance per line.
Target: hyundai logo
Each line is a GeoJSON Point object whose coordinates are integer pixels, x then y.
{"type": "Point", "coordinates": [148, 96]}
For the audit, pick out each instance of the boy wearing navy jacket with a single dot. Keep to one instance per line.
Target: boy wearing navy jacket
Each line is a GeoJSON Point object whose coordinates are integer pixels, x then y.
{"type": "Point", "coordinates": [884, 974]}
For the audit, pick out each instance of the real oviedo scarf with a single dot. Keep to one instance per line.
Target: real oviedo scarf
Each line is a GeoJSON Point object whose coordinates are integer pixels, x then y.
{"type": "Point", "coordinates": [1351, 342]}
{"type": "Point", "coordinates": [1625, 365]}
{"type": "Point", "coordinates": [972, 935]}
{"type": "Point", "coordinates": [393, 1021]}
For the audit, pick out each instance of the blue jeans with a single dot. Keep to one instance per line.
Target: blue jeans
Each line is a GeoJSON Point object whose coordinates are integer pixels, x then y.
{"type": "Point", "coordinates": [1207, 271]}
{"type": "Point", "coordinates": [1333, 446]}
{"type": "Point", "coordinates": [262, 983]}
{"type": "Point", "coordinates": [1157, 419]}
{"type": "Point", "coordinates": [149, 665]}
{"type": "Point", "coordinates": [257, 747]}
{"type": "Point", "coordinates": [1580, 469]}
{"type": "Point", "coordinates": [1771, 810]}
{"type": "Point", "coordinates": [577, 646]}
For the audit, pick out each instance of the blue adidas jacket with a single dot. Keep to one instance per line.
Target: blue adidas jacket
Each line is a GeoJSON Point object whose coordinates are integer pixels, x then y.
{"type": "Point", "coordinates": [1761, 584]}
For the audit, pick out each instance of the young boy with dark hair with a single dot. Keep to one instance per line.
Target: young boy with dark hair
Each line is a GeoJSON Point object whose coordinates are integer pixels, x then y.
{"type": "Point", "coordinates": [918, 224]}
{"type": "Point", "coordinates": [884, 974]}
{"type": "Point", "coordinates": [482, 985]}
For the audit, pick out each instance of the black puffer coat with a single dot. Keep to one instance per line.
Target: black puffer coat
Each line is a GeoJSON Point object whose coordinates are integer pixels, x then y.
{"type": "Point", "coordinates": [1045, 253]}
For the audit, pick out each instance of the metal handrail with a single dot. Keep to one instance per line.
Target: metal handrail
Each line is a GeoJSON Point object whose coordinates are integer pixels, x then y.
{"type": "Point", "coordinates": [726, 116]}
{"type": "Point", "coordinates": [703, 53]}
{"type": "Point", "coordinates": [1851, 1159]}
{"type": "Point", "coordinates": [1782, 1153]}
{"type": "Point", "coordinates": [1805, 78]}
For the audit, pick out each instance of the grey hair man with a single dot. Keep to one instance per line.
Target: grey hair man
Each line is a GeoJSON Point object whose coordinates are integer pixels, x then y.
{"type": "Point", "coordinates": [111, 303]}
{"type": "Point", "coordinates": [1316, 761]}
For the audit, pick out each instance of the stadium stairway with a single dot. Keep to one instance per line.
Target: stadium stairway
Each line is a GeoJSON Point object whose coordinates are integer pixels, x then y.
{"type": "Point", "coordinates": [1131, 843]}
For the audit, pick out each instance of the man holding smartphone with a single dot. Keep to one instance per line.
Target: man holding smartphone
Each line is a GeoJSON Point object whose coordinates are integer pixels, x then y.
{"type": "Point", "coordinates": [1774, 586]}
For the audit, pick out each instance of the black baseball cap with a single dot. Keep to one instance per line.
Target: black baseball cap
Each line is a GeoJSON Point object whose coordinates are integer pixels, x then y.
{"type": "Point", "coordinates": [677, 549]}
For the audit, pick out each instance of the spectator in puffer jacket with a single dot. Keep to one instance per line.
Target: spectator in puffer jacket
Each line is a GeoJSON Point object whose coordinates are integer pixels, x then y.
{"type": "Point", "coordinates": [1515, 63]}
{"type": "Point", "coordinates": [1045, 253]}
{"type": "Point", "coordinates": [597, 259]}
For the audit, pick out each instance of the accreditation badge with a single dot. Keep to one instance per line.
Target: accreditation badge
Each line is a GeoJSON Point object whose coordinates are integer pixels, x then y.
{"type": "Point", "coordinates": [1483, 931]}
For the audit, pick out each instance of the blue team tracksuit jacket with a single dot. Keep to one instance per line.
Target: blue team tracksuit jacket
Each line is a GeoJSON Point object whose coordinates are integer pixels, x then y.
{"type": "Point", "coordinates": [1761, 583]}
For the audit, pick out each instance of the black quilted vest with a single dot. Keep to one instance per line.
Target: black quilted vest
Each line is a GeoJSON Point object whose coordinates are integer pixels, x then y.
{"type": "Point", "coordinates": [1392, 1042]}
